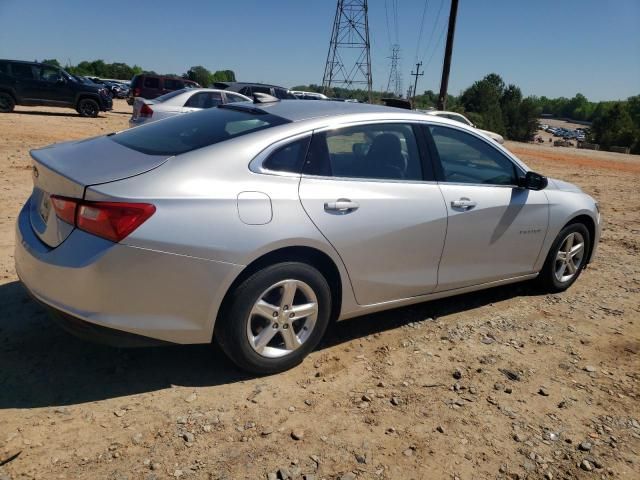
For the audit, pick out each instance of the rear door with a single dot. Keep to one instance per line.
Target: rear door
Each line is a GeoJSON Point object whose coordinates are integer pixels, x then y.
{"type": "Point", "coordinates": [26, 85]}
{"type": "Point", "coordinates": [495, 228]}
{"type": "Point", "coordinates": [368, 190]}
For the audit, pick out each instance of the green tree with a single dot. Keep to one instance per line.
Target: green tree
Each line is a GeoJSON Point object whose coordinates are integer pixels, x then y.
{"type": "Point", "coordinates": [52, 61]}
{"type": "Point", "coordinates": [200, 75]}
{"type": "Point", "coordinates": [614, 128]}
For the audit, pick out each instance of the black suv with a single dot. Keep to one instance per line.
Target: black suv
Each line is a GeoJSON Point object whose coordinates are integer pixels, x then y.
{"type": "Point", "coordinates": [31, 83]}
{"type": "Point", "coordinates": [249, 89]}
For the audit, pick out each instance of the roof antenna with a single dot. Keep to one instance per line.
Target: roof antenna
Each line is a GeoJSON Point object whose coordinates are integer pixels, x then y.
{"type": "Point", "coordinates": [264, 98]}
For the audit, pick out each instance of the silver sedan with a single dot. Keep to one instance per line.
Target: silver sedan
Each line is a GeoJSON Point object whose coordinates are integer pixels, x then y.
{"type": "Point", "coordinates": [256, 224]}
{"type": "Point", "coordinates": [174, 103]}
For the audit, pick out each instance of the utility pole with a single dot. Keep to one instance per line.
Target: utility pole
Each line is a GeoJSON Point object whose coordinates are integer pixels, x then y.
{"type": "Point", "coordinates": [444, 84]}
{"type": "Point", "coordinates": [415, 83]}
{"type": "Point", "coordinates": [349, 44]}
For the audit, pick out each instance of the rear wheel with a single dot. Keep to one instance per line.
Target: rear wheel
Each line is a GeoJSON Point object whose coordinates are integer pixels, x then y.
{"type": "Point", "coordinates": [88, 108]}
{"type": "Point", "coordinates": [6, 103]}
{"type": "Point", "coordinates": [275, 317]}
{"type": "Point", "coordinates": [566, 259]}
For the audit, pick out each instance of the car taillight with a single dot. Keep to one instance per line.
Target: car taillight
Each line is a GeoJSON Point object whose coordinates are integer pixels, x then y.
{"type": "Point", "coordinates": [65, 208]}
{"type": "Point", "coordinates": [136, 92]}
{"type": "Point", "coordinates": [111, 220]}
{"type": "Point", "coordinates": [146, 111]}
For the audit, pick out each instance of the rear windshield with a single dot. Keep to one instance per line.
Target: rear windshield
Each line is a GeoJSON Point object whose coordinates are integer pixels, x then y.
{"type": "Point", "coordinates": [185, 133]}
{"type": "Point", "coordinates": [167, 96]}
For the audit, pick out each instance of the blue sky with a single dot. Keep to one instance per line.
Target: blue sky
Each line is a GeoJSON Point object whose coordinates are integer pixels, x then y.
{"type": "Point", "coordinates": [548, 48]}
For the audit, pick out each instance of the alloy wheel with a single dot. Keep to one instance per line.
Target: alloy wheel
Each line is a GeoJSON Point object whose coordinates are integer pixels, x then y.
{"type": "Point", "coordinates": [569, 257]}
{"type": "Point", "coordinates": [282, 318]}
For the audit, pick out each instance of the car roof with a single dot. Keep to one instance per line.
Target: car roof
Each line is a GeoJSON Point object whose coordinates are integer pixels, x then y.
{"type": "Point", "coordinates": [298, 110]}
{"type": "Point", "coordinates": [238, 84]}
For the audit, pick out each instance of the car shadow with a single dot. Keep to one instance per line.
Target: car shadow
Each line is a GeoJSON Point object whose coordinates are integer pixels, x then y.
{"type": "Point", "coordinates": [41, 365]}
{"type": "Point", "coordinates": [50, 114]}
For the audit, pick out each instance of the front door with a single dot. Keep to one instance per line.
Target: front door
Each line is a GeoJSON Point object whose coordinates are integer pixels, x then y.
{"type": "Point", "coordinates": [495, 229]}
{"type": "Point", "coordinates": [364, 188]}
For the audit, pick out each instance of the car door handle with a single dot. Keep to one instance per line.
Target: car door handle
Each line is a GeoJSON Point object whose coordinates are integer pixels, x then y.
{"type": "Point", "coordinates": [464, 203]}
{"type": "Point", "coordinates": [342, 205]}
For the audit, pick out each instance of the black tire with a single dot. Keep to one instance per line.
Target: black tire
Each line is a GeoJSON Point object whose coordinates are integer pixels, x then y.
{"type": "Point", "coordinates": [88, 107]}
{"type": "Point", "coordinates": [231, 328]}
{"type": "Point", "coordinates": [7, 103]}
{"type": "Point", "coordinates": [548, 280]}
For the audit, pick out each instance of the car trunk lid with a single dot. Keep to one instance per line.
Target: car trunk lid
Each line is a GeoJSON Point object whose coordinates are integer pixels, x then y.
{"type": "Point", "coordinates": [67, 169]}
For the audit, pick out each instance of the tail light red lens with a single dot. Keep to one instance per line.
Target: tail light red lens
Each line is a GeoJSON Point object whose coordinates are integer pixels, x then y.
{"type": "Point", "coordinates": [111, 220]}
{"type": "Point", "coordinates": [65, 208]}
{"type": "Point", "coordinates": [146, 111]}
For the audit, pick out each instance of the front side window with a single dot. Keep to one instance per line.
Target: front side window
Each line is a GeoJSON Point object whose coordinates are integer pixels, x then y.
{"type": "Point", "coordinates": [49, 74]}
{"type": "Point", "coordinates": [288, 158]}
{"type": "Point", "coordinates": [467, 159]}
{"type": "Point", "coordinates": [185, 133]}
{"type": "Point", "coordinates": [4, 68]}
{"type": "Point", "coordinates": [375, 151]}
{"type": "Point", "coordinates": [204, 100]}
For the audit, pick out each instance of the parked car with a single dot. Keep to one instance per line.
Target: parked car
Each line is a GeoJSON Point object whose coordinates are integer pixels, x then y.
{"type": "Point", "coordinates": [302, 95]}
{"type": "Point", "coordinates": [181, 101]}
{"type": "Point", "coordinates": [249, 89]}
{"type": "Point", "coordinates": [457, 117]}
{"type": "Point", "coordinates": [152, 86]}
{"type": "Point", "coordinates": [34, 84]}
{"type": "Point", "coordinates": [256, 224]}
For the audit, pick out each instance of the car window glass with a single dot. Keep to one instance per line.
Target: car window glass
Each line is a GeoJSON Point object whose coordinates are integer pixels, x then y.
{"type": "Point", "coordinates": [245, 91]}
{"type": "Point", "coordinates": [468, 159]}
{"type": "Point", "coordinates": [231, 98]}
{"type": "Point", "coordinates": [4, 68]}
{"type": "Point", "coordinates": [21, 70]}
{"type": "Point", "coordinates": [49, 74]}
{"type": "Point", "coordinates": [266, 90]}
{"type": "Point", "coordinates": [173, 84]}
{"type": "Point", "coordinates": [204, 100]}
{"type": "Point", "coordinates": [377, 151]}
{"type": "Point", "coordinates": [151, 82]}
{"type": "Point", "coordinates": [184, 133]}
{"type": "Point", "coordinates": [170, 95]}
{"type": "Point", "coordinates": [288, 158]}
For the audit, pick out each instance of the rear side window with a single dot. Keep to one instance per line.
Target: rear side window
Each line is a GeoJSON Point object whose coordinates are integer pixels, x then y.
{"type": "Point", "coordinates": [22, 70]}
{"type": "Point", "coordinates": [204, 100]}
{"type": "Point", "coordinates": [376, 151]}
{"type": "Point", "coordinates": [151, 82]}
{"type": "Point", "coordinates": [185, 133]}
{"type": "Point", "coordinates": [173, 84]}
{"type": "Point", "coordinates": [288, 158]}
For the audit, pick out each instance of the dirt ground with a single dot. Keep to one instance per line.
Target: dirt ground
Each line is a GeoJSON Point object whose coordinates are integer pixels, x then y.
{"type": "Point", "coordinates": [505, 383]}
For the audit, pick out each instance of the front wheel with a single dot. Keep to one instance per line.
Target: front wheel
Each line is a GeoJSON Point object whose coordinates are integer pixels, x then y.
{"type": "Point", "coordinates": [566, 259]}
{"type": "Point", "coordinates": [88, 108]}
{"type": "Point", "coordinates": [275, 318]}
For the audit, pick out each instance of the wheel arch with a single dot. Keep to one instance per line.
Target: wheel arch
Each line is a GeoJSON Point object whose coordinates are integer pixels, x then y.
{"type": "Point", "coordinates": [303, 254]}
{"type": "Point", "coordinates": [590, 224]}
{"type": "Point", "coordinates": [9, 92]}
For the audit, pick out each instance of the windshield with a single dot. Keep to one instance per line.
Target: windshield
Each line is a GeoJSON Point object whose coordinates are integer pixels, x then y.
{"type": "Point", "coordinates": [185, 133]}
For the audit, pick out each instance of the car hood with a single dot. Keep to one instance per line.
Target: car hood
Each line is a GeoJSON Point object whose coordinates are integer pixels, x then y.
{"type": "Point", "coordinates": [561, 185]}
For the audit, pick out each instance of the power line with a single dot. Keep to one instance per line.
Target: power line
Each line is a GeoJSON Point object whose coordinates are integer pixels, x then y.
{"type": "Point", "coordinates": [435, 23]}
{"type": "Point", "coordinates": [424, 12]}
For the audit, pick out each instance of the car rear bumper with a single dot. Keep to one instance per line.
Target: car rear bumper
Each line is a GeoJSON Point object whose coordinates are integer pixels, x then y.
{"type": "Point", "coordinates": [163, 296]}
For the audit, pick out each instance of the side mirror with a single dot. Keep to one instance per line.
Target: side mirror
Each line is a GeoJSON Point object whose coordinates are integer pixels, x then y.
{"type": "Point", "coordinates": [534, 181]}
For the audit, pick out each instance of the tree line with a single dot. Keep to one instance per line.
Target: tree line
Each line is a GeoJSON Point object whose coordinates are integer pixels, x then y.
{"type": "Point", "coordinates": [122, 71]}
{"type": "Point", "coordinates": [489, 103]}
{"type": "Point", "coordinates": [492, 105]}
